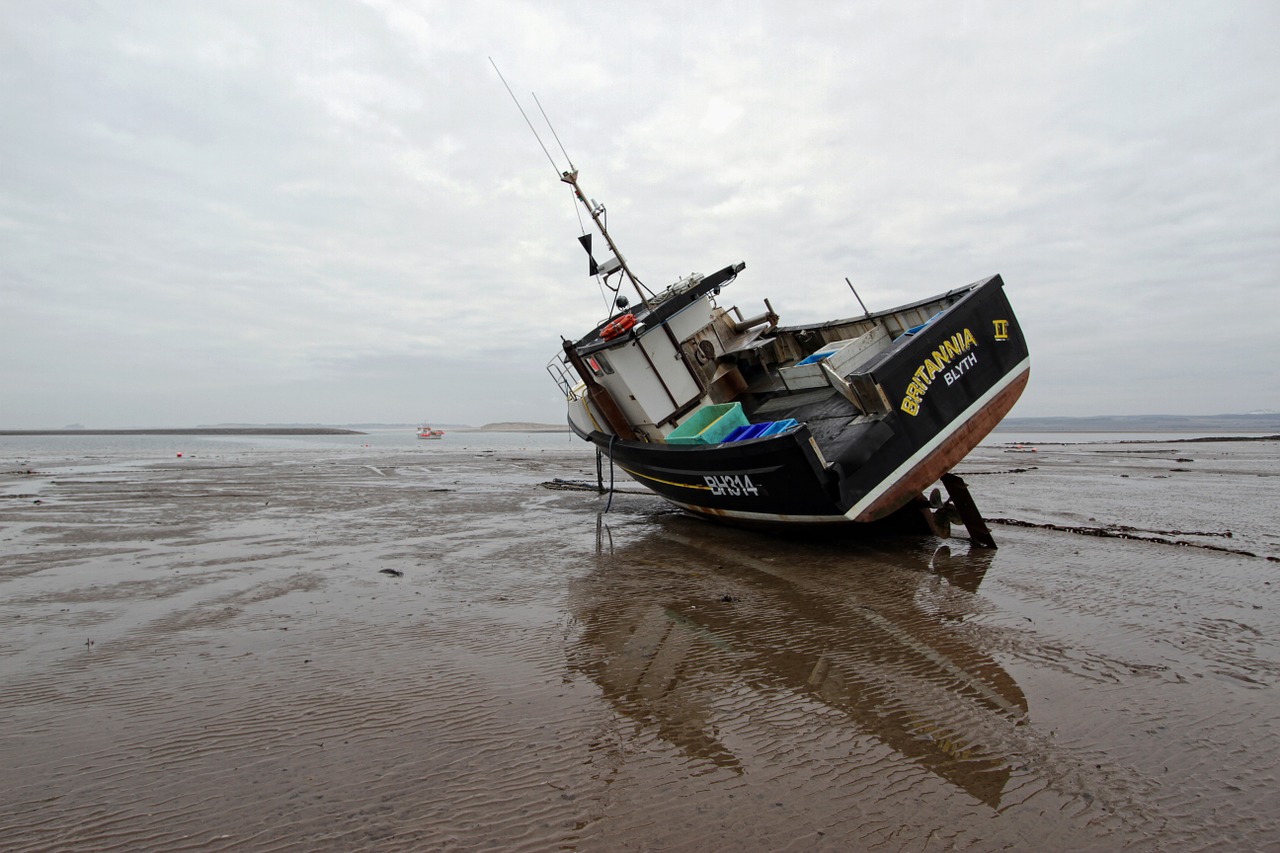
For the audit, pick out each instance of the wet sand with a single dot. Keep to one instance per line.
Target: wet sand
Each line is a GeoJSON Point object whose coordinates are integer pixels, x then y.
{"type": "Point", "coordinates": [209, 653]}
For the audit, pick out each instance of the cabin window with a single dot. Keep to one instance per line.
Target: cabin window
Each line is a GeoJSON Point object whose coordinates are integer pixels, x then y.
{"type": "Point", "coordinates": [599, 365]}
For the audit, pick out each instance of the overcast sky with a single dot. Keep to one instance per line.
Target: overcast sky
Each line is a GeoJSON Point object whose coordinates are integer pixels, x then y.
{"type": "Point", "coordinates": [331, 212]}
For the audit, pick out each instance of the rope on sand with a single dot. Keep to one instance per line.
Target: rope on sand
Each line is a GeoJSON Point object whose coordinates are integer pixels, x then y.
{"type": "Point", "coordinates": [560, 485]}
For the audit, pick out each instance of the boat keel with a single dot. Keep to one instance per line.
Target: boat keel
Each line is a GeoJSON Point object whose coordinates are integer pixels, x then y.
{"type": "Point", "coordinates": [959, 498]}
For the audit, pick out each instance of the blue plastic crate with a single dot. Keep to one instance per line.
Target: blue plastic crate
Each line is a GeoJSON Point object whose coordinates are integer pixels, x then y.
{"type": "Point", "coordinates": [752, 431]}
{"type": "Point", "coordinates": [780, 426]}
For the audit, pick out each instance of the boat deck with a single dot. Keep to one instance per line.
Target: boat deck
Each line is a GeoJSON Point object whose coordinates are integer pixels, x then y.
{"type": "Point", "coordinates": [831, 419]}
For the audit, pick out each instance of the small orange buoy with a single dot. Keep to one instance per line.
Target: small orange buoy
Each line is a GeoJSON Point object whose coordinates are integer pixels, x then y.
{"type": "Point", "coordinates": [179, 455]}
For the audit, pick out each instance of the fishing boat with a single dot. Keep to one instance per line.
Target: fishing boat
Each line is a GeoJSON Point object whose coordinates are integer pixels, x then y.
{"type": "Point", "coordinates": [743, 419]}
{"type": "Point", "coordinates": [426, 431]}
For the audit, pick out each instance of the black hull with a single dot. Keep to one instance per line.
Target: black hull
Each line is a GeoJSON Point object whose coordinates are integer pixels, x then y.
{"type": "Point", "coordinates": [862, 470]}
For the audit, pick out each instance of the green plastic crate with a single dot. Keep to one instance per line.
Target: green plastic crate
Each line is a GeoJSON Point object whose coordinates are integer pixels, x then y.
{"type": "Point", "coordinates": [709, 425]}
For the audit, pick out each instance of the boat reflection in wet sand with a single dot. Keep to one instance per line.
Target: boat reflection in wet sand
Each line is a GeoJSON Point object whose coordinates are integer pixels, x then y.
{"type": "Point", "coordinates": [690, 649]}
{"type": "Point", "coordinates": [741, 419]}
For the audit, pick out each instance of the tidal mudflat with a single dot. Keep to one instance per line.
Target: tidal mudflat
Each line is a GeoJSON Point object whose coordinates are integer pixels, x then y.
{"type": "Point", "coordinates": [328, 647]}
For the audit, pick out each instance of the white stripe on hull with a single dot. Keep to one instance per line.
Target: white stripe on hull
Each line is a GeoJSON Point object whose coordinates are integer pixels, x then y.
{"type": "Point", "coordinates": [781, 518]}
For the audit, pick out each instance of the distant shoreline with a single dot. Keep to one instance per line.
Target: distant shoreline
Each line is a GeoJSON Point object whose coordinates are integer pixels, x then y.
{"type": "Point", "coordinates": [1255, 423]}
{"type": "Point", "coordinates": [1196, 439]}
{"type": "Point", "coordinates": [512, 428]}
{"type": "Point", "coordinates": [516, 428]}
{"type": "Point", "coordinates": [193, 431]}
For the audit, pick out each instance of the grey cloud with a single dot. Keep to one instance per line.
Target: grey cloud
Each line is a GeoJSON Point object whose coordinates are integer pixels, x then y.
{"type": "Point", "coordinates": [210, 211]}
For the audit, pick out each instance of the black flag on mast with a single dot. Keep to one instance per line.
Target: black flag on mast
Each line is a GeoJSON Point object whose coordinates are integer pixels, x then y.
{"type": "Point", "coordinates": [606, 269]}
{"type": "Point", "coordinates": [594, 268]}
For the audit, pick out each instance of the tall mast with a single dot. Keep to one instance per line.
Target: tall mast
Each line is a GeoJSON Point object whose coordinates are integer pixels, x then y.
{"type": "Point", "coordinates": [571, 178]}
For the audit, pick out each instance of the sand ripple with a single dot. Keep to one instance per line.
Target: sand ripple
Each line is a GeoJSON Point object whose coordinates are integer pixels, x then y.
{"type": "Point", "coordinates": [209, 658]}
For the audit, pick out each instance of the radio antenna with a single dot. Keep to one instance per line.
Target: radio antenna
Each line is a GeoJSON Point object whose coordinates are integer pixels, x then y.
{"type": "Point", "coordinates": [594, 209]}
{"type": "Point", "coordinates": [572, 168]}
{"type": "Point", "coordinates": [550, 159]}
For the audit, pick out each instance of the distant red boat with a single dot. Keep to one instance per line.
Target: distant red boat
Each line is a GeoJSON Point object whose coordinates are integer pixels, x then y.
{"type": "Point", "coordinates": [425, 431]}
